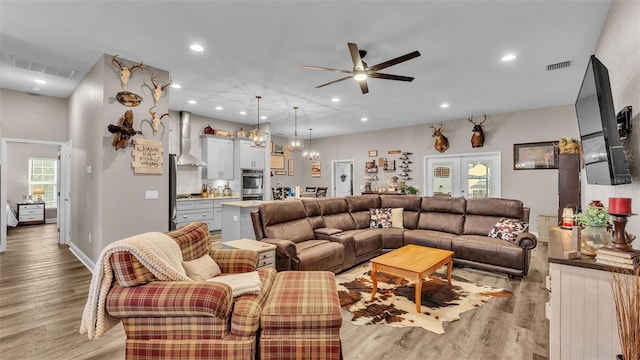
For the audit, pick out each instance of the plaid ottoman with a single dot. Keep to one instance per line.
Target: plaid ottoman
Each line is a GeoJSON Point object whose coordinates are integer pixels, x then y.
{"type": "Point", "coordinates": [301, 318]}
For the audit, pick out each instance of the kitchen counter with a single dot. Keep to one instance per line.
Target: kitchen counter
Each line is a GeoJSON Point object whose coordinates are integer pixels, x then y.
{"type": "Point", "coordinates": [244, 204]}
{"type": "Point", "coordinates": [236, 219]}
{"type": "Point", "coordinates": [210, 198]}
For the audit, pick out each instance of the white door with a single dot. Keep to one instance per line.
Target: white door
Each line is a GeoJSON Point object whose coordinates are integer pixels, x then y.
{"type": "Point", "coordinates": [467, 175]}
{"type": "Point", "coordinates": [64, 197]}
{"type": "Point", "coordinates": [342, 178]}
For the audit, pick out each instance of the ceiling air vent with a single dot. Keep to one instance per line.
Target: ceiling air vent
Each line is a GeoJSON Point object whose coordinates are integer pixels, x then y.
{"type": "Point", "coordinates": [32, 65]}
{"type": "Point", "coordinates": [558, 66]}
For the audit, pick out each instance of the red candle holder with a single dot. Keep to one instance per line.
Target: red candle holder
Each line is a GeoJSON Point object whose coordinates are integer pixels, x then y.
{"type": "Point", "coordinates": [620, 209]}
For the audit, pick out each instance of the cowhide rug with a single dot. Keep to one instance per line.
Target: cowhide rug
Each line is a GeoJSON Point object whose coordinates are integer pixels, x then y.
{"type": "Point", "coordinates": [395, 305]}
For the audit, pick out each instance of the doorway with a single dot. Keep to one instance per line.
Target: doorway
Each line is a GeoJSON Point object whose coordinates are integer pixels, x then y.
{"type": "Point", "coordinates": [63, 201]}
{"type": "Point", "coordinates": [466, 175]}
{"type": "Point", "coordinates": [341, 178]}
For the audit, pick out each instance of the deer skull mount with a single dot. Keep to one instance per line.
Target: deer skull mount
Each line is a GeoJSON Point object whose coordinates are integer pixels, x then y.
{"type": "Point", "coordinates": [477, 139]}
{"type": "Point", "coordinates": [125, 72]}
{"type": "Point", "coordinates": [158, 89]}
{"type": "Point", "coordinates": [155, 119]}
{"type": "Point", "coordinates": [442, 143]}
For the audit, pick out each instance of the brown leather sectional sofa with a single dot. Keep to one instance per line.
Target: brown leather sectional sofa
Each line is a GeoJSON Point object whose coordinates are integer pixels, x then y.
{"type": "Point", "coordinates": [334, 233]}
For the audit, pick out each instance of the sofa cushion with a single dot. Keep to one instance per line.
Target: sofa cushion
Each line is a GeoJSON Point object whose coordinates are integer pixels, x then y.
{"type": "Point", "coordinates": [318, 255]}
{"type": "Point", "coordinates": [202, 268]}
{"type": "Point", "coordinates": [366, 240]}
{"type": "Point", "coordinates": [335, 213]}
{"type": "Point", "coordinates": [444, 214]}
{"type": "Point", "coordinates": [410, 205]}
{"type": "Point", "coordinates": [484, 249]}
{"type": "Point", "coordinates": [380, 218]}
{"type": "Point", "coordinates": [396, 218]}
{"type": "Point", "coordinates": [390, 238]}
{"type": "Point", "coordinates": [483, 214]}
{"type": "Point", "coordinates": [294, 230]}
{"type": "Point", "coordinates": [508, 229]}
{"type": "Point", "coordinates": [359, 208]}
{"type": "Point", "coordinates": [429, 238]}
{"type": "Point", "coordinates": [194, 240]}
{"type": "Point", "coordinates": [128, 270]}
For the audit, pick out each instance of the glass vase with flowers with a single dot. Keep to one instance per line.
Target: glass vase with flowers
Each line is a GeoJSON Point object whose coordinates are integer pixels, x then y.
{"type": "Point", "coordinates": [595, 234]}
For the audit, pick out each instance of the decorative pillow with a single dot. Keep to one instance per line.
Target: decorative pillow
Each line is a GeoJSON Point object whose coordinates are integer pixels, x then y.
{"type": "Point", "coordinates": [202, 268]}
{"type": "Point", "coordinates": [396, 218]}
{"type": "Point", "coordinates": [508, 229]}
{"type": "Point", "coordinates": [380, 218]}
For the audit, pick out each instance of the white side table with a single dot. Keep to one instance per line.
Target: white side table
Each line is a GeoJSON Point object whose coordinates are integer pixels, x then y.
{"type": "Point", "coordinates": [266, 252]}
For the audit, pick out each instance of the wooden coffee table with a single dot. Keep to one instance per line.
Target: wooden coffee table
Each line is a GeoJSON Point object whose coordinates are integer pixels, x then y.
{"type": "Point", "coordinates": [413, 262]}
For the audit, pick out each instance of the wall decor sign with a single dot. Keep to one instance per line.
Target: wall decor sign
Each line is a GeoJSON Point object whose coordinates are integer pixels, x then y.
{"type": "Point", "coordinates": [538, 155]}
{"type": "Point", "coordinates": [278, 149]}
{"type": "Point", "coordinates": [277, 162]}
{"type": "Point", "coordinates": [290, 167]}
{"type": "Point", "coordinates": [280, 172]}
{"type": "Point", "coordinates": [287, 151]}
{"type": "Point", "coordinates": [147, 156]}
{"type": "Point", "coordinates": [391, 152]}
{"type": "Point", "coordinates": [315, 169]}
{"type": "Point", "coordinates": [373, 153]}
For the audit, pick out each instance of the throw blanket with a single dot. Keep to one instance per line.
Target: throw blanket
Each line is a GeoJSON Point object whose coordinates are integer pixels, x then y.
{"type": "Point", "coordinates": [243, 283]}
{"type": "Point", "coordinates": [156, 251]}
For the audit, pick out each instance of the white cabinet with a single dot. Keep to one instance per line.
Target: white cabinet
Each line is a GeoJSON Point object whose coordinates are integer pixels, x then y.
{"type": "Point", "coordinates": [218, 154]}
{"type": "Point", "coordinates": [217, 212]}
{"type": "Point", "coordinates": [266, 252]}
{"type": "Point", "coordinates": [249, 157]}
{"type": "Point", "coordinates": [189, 211]}
{"type": "Point", "coordinates": [31, 213]}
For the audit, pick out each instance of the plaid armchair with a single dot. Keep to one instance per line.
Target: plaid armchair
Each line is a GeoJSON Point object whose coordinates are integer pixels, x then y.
{"type": "Point", "coordinates": [187, 320]}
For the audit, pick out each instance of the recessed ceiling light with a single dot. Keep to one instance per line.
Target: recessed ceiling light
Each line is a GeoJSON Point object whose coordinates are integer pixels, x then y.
{"type": "Point", "coordinates": [263, 117]}
{"type": "Point", "coordinates": [335, 99]}
{"type": "Point", "coordinates": [444, 105]}
{"type": "Point", "coordinates": [196, 47]}
{"type": "Point", "coordinates": [218, 107]}
{"type": "Point", "coordinates": [508, 57]}
{"type": "Point", "coordinates": [243, 113]}
{"type": "Point", "coordinates": [35, 89]}
{"type": "Point", "coordinates": [176, 86]}
{"type": "Point", "coordinates": [363, 119]}
{"type": "Point", "coordinates": [192, 102]}
{"type": "Point", "coordinates": [40, 81]}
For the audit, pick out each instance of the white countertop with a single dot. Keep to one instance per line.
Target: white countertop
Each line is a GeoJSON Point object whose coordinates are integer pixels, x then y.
{"type": "Point", "coordinates": [210, 198]}
{"type": "Point", "coordinates": [245, 204]}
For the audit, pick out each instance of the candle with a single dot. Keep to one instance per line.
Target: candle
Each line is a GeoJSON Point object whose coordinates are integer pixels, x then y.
{"type": "Point", "coordinates": [621, 206]}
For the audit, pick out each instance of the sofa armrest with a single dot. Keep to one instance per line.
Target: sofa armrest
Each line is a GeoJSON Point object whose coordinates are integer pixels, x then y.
{"type": "Point", "coordinates": [234, 261]}
{"type": "Point", "coordinates": [324, 232]}
{"type": "Point", "coordinates": [349, 244]}
{"type": "Point", "coordinates": [170, 299]}
{"type": "Point", "coordinates": [285, 252]}
{"type": "Point", "coordinates": [527, 241]}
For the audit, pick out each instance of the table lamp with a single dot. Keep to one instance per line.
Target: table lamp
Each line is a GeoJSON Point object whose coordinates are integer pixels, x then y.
{"type": "Point", "coordinates": [39, 192]}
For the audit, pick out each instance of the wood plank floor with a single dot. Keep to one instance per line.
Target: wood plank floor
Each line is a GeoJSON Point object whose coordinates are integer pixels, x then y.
{"type": "Point", "coordinates": [43, 288]}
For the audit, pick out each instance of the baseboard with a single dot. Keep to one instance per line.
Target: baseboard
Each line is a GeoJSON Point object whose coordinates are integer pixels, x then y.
{"type": "Point", "coordinates": [51, 221]}
{"type": "Point", "coordinates": [84, 259]}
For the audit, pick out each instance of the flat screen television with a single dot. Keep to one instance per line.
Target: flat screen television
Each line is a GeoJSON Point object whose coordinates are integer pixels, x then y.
{"type": "Point", "coordinates": [604, 158]}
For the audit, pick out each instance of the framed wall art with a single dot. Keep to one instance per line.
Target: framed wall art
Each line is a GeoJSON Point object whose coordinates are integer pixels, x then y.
{"type": "Point", "coordinates": [290, 167]}
{"type": "Point", "coordinates": [280, 172]}
{"type": "Point", "coordinates": [373, 153]}
{"type": "Point", "coordinates": [277, 162]}
{"type": "Point", "coordinates": [315, 169]}
{"type": "Point", "coordinates": [538, 155]}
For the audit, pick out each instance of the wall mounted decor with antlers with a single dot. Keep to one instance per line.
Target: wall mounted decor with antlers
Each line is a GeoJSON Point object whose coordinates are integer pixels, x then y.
{"type": "Point", "coordinates": [477, 139]}
{"type": "Point", "coordinates": [442, 143]}
{"type": "Point", "coordinates": [155, 119]}
{"type": "Point", "coordinates": [125, 71]}
{"type": "Point", "coordinates": [158, 89]}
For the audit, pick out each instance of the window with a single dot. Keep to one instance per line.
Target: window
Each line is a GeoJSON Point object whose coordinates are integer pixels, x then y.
{"type": "Point", "coordinates": [43, 173]}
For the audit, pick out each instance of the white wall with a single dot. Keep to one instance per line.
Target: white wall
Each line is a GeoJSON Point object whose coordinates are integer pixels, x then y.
{"type": "Point", "coordinates": [619, 51]}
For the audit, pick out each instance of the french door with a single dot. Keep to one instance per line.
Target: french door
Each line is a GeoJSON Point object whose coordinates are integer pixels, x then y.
{"type": "Point", "coordinates": [466, 175]}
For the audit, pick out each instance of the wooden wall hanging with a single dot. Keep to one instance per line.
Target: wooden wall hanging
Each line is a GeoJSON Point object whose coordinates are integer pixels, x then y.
{"type": "Point", "coordinates": [147, 156]}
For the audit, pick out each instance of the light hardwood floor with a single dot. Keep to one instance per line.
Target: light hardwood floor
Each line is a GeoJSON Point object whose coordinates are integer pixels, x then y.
{"type": "Point", "coordinates": [43, 288]}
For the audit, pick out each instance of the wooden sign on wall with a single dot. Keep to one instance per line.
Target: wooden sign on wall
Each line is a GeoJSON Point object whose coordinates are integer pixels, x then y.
{"type": "Point", "coordinates": [147, 156]}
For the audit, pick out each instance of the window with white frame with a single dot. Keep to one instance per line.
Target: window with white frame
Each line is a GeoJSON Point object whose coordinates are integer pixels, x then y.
{"type": "Point", "coordinates": [43, 174]}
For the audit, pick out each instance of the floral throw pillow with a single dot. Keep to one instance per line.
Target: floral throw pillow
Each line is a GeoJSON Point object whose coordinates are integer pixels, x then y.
{"type": "Point", "coordinates": [508, 229]}
{"type": "Point", "coordinates": [380, 218]}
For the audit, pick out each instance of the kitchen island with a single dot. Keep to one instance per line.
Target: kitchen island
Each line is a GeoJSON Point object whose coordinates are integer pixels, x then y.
{"type": "Point", "coordinates": [236, 219]}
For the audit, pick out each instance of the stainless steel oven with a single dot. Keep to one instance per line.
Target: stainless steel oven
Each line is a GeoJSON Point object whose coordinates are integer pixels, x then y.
{"type": "Point", "coordinates": [252, 185]}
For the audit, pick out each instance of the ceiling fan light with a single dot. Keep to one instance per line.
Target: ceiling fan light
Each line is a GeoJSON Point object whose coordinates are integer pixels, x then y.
{"type": "Point", "coordinates": [360, 76]}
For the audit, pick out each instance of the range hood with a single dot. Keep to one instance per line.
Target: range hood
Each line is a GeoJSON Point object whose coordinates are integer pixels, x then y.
{"type": "Point", "coordinates": [185, 158]}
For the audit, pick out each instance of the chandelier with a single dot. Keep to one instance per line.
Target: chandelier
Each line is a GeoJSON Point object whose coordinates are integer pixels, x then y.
{"type": "Point", "coordinates": [310, 155]}
{"type": "Point", "coordinates": [296, 143]}
{"type": "Point", "coordinates": [258, 136]}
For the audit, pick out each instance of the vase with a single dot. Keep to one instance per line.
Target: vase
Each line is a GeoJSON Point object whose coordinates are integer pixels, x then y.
{"type": "Point", "coordinates": [594, 237]}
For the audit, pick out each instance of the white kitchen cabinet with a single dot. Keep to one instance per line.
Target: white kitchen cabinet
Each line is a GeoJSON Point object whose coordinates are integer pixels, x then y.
{"type": "Point", "coordinates": [189, 211]}
{"type": "Point", "coordinates": [217, 212]}
{"type": "Point", "coordinates": [218, 154]}
{"type": "Point", "coordinates": [248, 157]}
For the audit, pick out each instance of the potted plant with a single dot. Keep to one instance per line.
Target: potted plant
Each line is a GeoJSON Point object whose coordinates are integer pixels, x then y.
{"type": "Point", "coordinates": [411, 190]}
{"type": "Point", "coordinates": [595, 234]}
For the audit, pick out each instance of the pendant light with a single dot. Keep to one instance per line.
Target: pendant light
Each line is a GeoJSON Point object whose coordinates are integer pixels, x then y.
{"type": "Point", "coordinates": [296, 143]}
{"type": "Point", "coordinates": [310, 155]}
{"type": "Point", "coordinates": [258, 136]}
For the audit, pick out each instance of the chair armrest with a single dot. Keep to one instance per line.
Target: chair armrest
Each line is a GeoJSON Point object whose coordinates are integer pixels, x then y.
{"type": "Point", "coordinates": [170, 299]}
{"type": "Point", "coordinates": [285, 252]}
{"type": "Point", "coordinates": [326, 231]}
{"type": "Point", "coordinates": [527, 241]}
{"type": "Point", "coordinates": [234, 261]}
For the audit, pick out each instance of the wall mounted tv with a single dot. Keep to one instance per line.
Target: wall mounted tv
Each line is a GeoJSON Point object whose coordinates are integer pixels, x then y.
{"type": "Point", "coordinates": [604, 158]}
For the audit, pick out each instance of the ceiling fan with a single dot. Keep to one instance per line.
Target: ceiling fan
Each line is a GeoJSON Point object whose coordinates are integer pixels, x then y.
{"type": "Point", "coordinates": [361, 71]}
